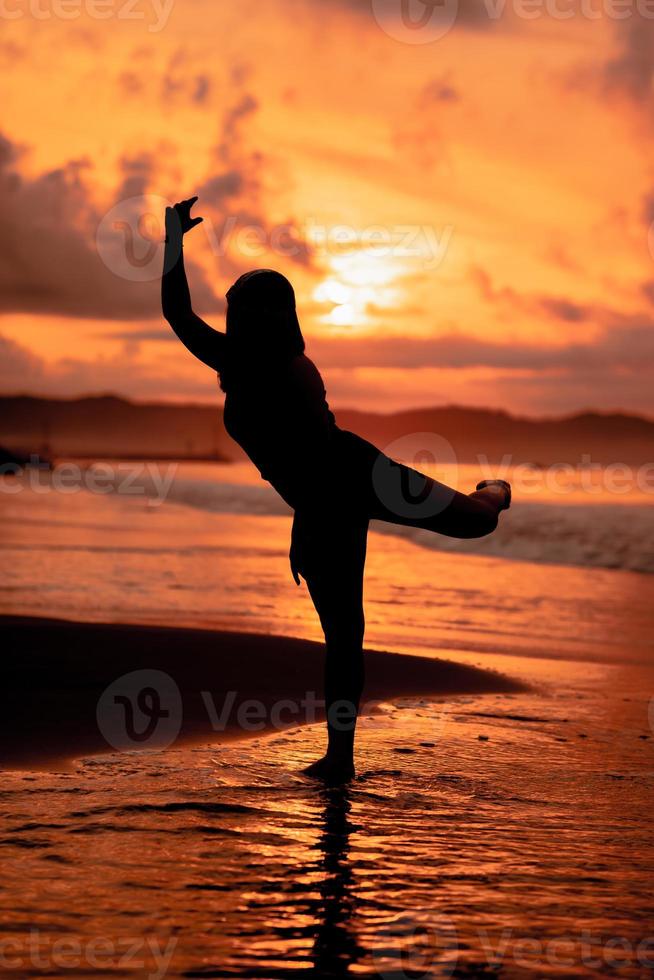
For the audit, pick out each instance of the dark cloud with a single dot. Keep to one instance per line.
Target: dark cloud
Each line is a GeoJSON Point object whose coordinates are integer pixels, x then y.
{"type": "Point", "coordinates": [621, 344]}
{"type": "Point", "coordinates": [22, 372]}
{"type": "Point", "coordinates": [617, 367]}
{"type": "Point", "coordinates": [181, 83]}
{"type": "Point", "coordinates": [592, 389]}
{"type": "Point", "coordinates": [49, 262]}
{"type": "Point", "coordinates": [436, 91]}
{"type": "Point", "coordinates": [233, 119]}
{"type": "Point", "coordinates": [471, 14]}
{"type": "Point", "coordinates": [235, 197]}
{"type": "Point", "coordinates": [201, 86]}
{"type": "Point", "coordinates": [648, 208]}
{"type": "Point", "coordinates": [182, 89]}
{"type": "Point", "coordinates": [559, 255]}
{"type": "Point", "coordinates": [628, 347]}
{"type": "Point", "coordinates": [138, 335]}
{"type": "Point", "coordinates": [137, 172]}
{"type": "Point", "coordinates": [631, 71]}
{"type": "Point", "coordinates": [648, 291]}
{"type": "Point", "coordinates": [17, 363]}
{"type": "Point", "coordinates": [563, 309]}
{"type": "Point", "coordinates": [11, 53]}
{"type": "Point", "coordinates": [216, 190]}
{"type": "Point", "coordinates": [131, 83]}
{"type": "Point", "coordinates": [558, 307]}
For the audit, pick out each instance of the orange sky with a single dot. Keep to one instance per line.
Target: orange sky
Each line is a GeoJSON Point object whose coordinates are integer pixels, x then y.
{"type": "Point", "coordinates": [469, 216]}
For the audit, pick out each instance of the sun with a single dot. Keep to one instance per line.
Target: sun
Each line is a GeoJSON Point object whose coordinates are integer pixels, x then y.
{"type": "Point", "coordinates": [360, 286]}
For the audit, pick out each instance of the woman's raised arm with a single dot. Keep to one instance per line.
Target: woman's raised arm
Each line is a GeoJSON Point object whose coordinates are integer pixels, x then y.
{"type": "Point", "coordinates": [197, 336]}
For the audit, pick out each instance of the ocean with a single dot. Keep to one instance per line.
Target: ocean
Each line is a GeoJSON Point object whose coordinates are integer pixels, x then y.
{"type": "Point", "coordinates": [207, 545]}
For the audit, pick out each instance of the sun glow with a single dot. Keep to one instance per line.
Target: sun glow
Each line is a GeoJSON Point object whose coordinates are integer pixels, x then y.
{"type": "Point", "coordinates": [362, 285]}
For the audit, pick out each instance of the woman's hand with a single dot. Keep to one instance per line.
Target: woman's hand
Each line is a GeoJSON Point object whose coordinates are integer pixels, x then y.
{"type": "Point", "coordinates": [298, 547]}
{"type": "Point", "coordinates": [179, 220]}
{"type": "Point", "coordinates": [304, 544]}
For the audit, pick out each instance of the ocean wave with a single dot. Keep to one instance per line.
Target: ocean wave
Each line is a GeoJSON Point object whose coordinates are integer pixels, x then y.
{"type": "Point", "coordinates": [588, 535]}
{"type": "Point", "coordinates": [600, 535]}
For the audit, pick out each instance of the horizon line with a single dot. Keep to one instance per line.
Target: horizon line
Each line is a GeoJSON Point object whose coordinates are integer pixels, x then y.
{"type": "Point", "coordinates": [449, 406]}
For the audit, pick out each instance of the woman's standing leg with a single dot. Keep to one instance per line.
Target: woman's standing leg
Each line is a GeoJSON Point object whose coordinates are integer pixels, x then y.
{"type": "Point", "coordinates": [331, 558]}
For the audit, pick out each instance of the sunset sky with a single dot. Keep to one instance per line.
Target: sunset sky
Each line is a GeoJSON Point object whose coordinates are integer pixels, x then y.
{"type": "Point", "coordinates": [465, 220]}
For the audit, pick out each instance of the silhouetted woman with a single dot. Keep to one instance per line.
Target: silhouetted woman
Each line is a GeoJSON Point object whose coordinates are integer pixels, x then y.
{"type": "Point", "coordinates": [336, 482]}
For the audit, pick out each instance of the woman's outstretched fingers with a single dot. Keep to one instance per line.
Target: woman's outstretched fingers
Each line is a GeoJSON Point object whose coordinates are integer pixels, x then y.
{"type": "Point", "coordinates": [183, 211]}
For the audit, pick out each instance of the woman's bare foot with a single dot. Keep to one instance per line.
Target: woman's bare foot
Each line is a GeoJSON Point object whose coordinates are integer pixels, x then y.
{"type": "Point", "coordinates": [331, 771]}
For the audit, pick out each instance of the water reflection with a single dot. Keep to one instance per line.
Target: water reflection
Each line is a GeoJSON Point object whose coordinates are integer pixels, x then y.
{"type": "Point", "coordinates": [336, 948]}
{"type": "Point", "coordinates": [443, 859]}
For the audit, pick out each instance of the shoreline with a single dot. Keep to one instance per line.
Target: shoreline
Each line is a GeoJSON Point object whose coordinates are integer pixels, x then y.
{"type": "Point", "coordinates": [58, 671]}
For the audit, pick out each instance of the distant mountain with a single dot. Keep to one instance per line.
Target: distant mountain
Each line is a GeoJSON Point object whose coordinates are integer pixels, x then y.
{"type": "Point", "coordinates": [106, 426]}
{"type": "Point", "coordinates": [606, 438]}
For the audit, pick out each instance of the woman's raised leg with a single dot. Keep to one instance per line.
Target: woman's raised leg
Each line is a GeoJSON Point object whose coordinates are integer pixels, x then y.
{"type": "Point", "coordinates": [390, 491]}
{"type": "Point", "coordinates": [402, 495]}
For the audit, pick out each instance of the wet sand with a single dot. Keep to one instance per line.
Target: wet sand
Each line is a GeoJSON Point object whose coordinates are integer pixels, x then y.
{"type": "Point", "coordinates": [492, 830]}
{"type": "Point", "coordinates": [57, 672]}
{"type": "Point", "coordinates": [505, 834]}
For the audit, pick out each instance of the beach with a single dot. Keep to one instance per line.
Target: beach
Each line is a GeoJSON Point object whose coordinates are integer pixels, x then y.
{"type": "Point", "coordinates": [500, 822]}
{"type": "Point", "coordinates": [228, 684]}
{"type": "Point", "coordinates": [499, 832]}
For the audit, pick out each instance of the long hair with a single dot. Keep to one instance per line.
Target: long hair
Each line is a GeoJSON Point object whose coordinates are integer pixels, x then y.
{"type": "Point", "coordinates": [263, 330]}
